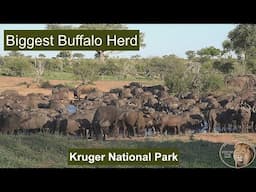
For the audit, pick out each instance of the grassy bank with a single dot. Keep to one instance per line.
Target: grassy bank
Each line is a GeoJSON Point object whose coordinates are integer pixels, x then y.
{"type": "Point", "coordinates": [52, 75]}
{"type": "Point", "coordinates": [51, 151]}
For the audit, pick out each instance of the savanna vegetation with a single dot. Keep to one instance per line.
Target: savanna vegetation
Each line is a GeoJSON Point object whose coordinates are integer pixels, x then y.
{"type": "Point", "coordinates": [202, 71]}
{"type": "Point", "coordinates": [46, 151]}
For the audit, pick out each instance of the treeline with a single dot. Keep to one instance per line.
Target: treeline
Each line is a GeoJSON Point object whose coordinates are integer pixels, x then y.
{"type": "Point", "coordinates": [202, 71]}
{"type": "Point", "coordinates": [197, 74]}
{"type": "Point", "coordinates": [88, 70]}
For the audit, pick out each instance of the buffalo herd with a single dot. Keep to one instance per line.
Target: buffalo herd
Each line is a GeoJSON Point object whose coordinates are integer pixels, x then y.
{"type": "Point", "coordinates": [131, 111]}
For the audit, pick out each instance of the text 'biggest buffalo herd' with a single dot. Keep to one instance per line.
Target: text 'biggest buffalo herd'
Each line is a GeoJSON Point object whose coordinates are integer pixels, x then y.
{"type": "Point", "coordinates": [131, 111]}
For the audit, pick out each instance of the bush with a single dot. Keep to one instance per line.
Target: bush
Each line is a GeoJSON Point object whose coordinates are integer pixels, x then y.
{"type": "Point", "coordinates": [46, 85]}
{"type": "Point", "coordinates": [251, 64]}
{"type": "Point", "coordinates": [68, 69]}
{"type": "Point", "coordinates": [212, 82]}
{"type": "Point", "coordinates": [1, 61]}
{"type": "Point", "coordinates": [177, 80]}
{"type": "Point", "coordinates": [109, 69]}
{"type": "Point", "coordinates": [17, 66]}
{"type": "Point", "coordinates": [181, 79]}
{"type": "Point", "coordinates": [87, 70]}
{"type": "Point", "coordinates": [225, 66]}
{"type": "Point", "coordinates": [54, 65]}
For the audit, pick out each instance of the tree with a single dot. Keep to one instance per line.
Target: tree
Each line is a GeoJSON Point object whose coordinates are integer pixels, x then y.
{"type": "Point", "coordinates": [41, 55]}
{"type": "Point", "coordinates": [209, 52]}
{"type": "Point", "coordinates": [58, 26]}
{"type": "Point", "coordinates": [17, 66]}
{"type": "Point", "coordinates": [135, 56]}
{"type": "Point", "coordinates": [64, 54]}
{"type": "Point", "coordinates": [227, 47]}
{"type": "Point", "coordinates": [243, 40]}
{"type": "Point", "coordinates": [78, 55]}
{"type": "Point", "coordinates": [15, 54]}
{"type": "Point", "coordinates": [66, 57]}
{"type": "Point", "coordinates": [54, 64]}
{"type": "Point", "coordinates": [1, 61]}
{"type": "Point", "coordinates": [190, 54]}
{"type": "Point", "coordinates": [177, 80]}
{"type": "Point", "coordinates": [39, 66]}
{"type": "Point", "coordinates": [101, 54]}
{"type": "Point", "coordinates": [224, 65]}
{"type": "Point", "coordinates": [86, 70]}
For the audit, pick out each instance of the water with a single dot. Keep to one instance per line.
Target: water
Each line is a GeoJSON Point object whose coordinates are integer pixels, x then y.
{"type": "Point", "coordinates": [71, 109]}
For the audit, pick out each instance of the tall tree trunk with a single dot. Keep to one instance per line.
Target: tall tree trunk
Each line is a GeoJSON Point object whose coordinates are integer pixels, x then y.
{"type": "Point", "coordinates": [244, 62]}
{"type": "Point", "coordinates": [101, 56]}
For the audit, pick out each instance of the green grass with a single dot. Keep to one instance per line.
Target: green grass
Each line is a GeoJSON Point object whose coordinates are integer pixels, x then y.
{"type": "Point", "coordinates": [38, 151]}
{"type": "Point", "coordinates": [128, 78]}
{"type": "Point", "coordinates": [52, 75]}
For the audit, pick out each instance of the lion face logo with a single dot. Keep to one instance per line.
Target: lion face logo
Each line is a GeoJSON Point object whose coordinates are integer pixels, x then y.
{"type": "Point", "coordinates": [243, 154]}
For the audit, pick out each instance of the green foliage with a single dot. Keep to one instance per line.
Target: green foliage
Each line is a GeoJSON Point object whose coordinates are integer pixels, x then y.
{"type": "Point", "coordinates": [52, 75]}
{"type": "Point", "coordinates": [212, 82]}
{"type": "Point", "coordinates": [17, 66]}
{"type": "Point", "coordinates": [41, 55]}
{"type": "Point", "coordinates": [1, 61]}
{"type": "Point", "coordinates": [251, 64]}
{"type": "Point", "coordinates": [190, 54]}
{"type": "Point", "coordinates": [193, 77]}
{"type": "Point", "coordinates": [224, 65]}
{"type": "Point", "coordinates": [227, 47]}
{"type": "Point", "coordinates": [54, 64]}
{"type": "Point", "coordinates": [50, 151]}
{"type": "Point", "coordinates": [239, 69]}
{"type": "Point", "coordinates": [180, 75]}
{"type": "Point", "coordinates": [15, 54]}
{"type": "Point", "coordinates": [86, 70]}
{"type": "Point", "coordinates": [99, 54]}
{"type": "Point", "coordinates": [141, 66]}
{"type": "Point", "coordinates": [78, 55]}
{"type": "Point", "coordinates": [135, 56]}
{"type": "Point", "coordinates": [68, 68]}
{"type": "Point", "coordinates": [209, 52]}
{"type": "Point", "coordinates": [243, 38]}
{"type": "Point", "coordinates": [159, 67]}
{"type": "Point", "coordinates": [64, 54]}
{"type": "Point", "coordinates": [176, 80]}
{"type": "Point", "coordinates": [109, 68]}
{"type": "Point", "coordinates": [127, 69]}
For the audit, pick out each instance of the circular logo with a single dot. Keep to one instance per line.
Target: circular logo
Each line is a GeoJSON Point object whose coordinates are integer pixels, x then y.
{"type": "Point", "coordinates": [239, 155]}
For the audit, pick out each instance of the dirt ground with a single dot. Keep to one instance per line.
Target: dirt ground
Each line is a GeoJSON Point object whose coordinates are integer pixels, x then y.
{"type": "Point", "coordinates": [20, 84]}
{"type": "Point", "coordinates": [17, 83]}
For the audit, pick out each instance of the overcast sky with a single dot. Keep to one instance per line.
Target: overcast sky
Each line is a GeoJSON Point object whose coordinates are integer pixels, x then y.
{"type": "Point", "coordinates": [160, 39]}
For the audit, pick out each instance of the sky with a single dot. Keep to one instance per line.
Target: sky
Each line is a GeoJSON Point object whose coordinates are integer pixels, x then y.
{"type": "Point", "coordinates": [160, 39]}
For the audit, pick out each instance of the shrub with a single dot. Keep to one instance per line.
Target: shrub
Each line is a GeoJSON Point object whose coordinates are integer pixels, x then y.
{"type": "Point", "coordinates": [87, 70]}
{"type": "Point", "coordinates": [54, 64]}
{"type": "Point", "coordinates": [212, 82]}
{"type": "Point", "coordinates": [109, 69]}
{"type": "Point", "coordinates": [177, 80]}
{"type": "Point", "coordinates": [224, 66]}
{"type": "Point", "coordinates": [45, 84]}
{"type": "Point", "coordinates": [17, 66]}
